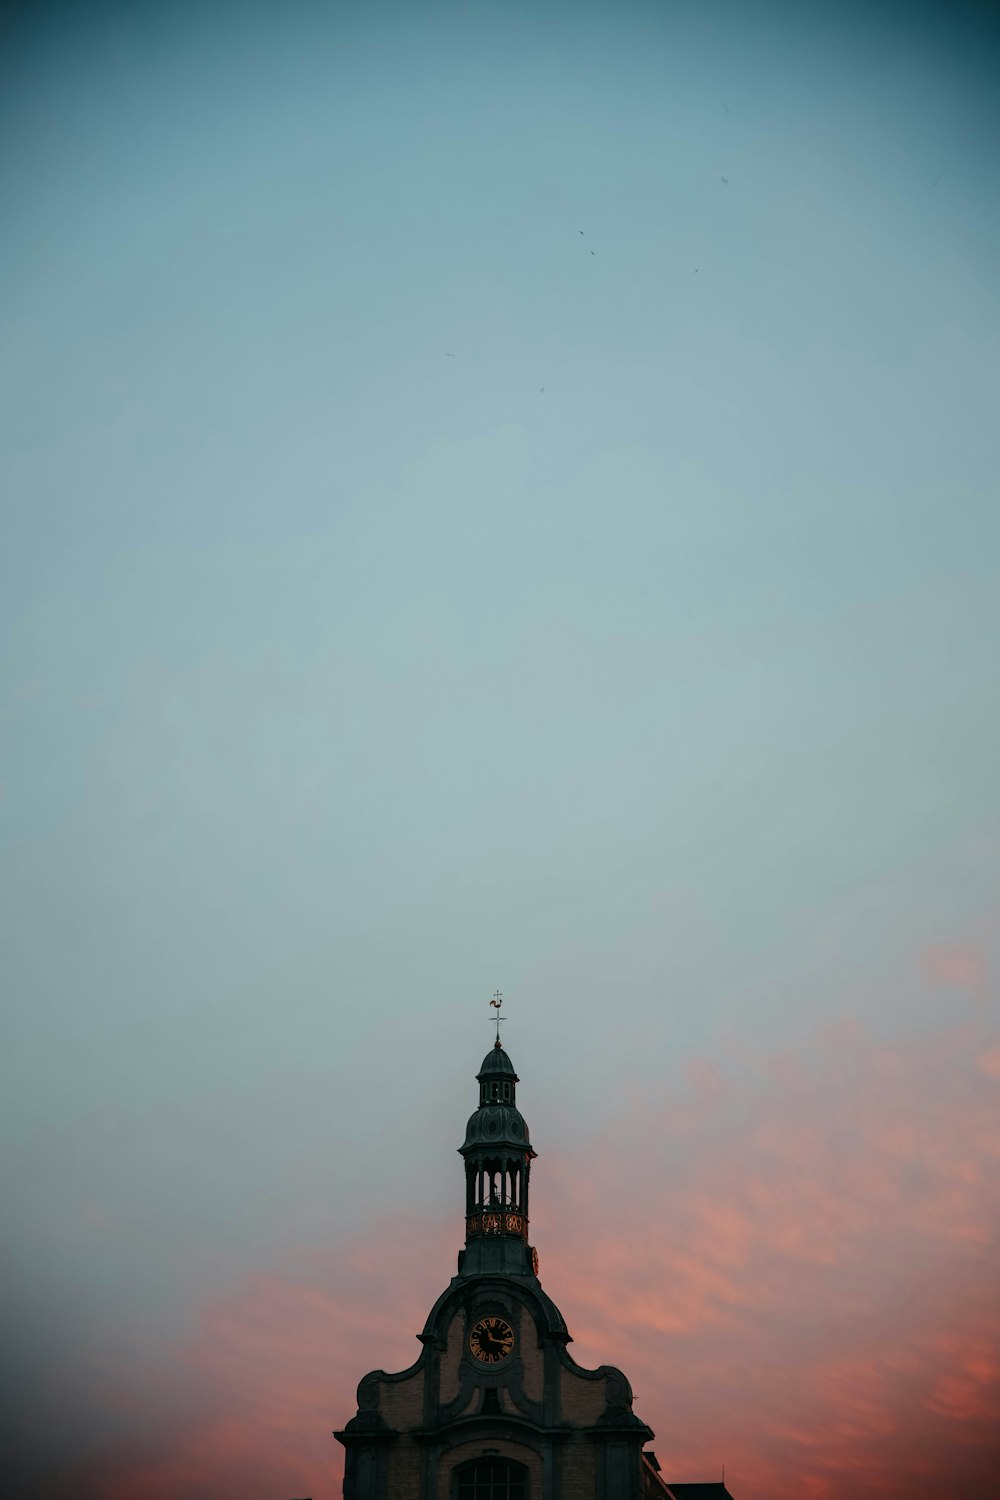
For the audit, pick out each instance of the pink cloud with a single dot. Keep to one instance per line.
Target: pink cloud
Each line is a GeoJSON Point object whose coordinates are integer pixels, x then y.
{"type": "Point", "coordinates": [989, 1062]}
{"type": "Point", "coordinates": [792, 1259]}
{"type": "Point", "coordinates": [824, 1271]}
{"type": "Point", "coordinates": [958, 964]}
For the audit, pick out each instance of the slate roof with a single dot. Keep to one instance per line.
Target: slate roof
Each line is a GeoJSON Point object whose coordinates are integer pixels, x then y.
{"type": "Point", "coordinates": [496, 1063]}
{"type": "Point", "coordinates": [714, 1491]}
{"type": "Point", "coordinates": [497, 1125]}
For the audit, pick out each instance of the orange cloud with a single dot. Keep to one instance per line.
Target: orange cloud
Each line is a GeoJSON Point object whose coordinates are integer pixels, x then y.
{"type": "Point", "coordinates": [957, 964]}
{"type": "Point", "coordinates": [794, 1263]}
{"type": "Point", "coordinates": [824, 1271]}
{"type": "Point", "coordinates": [278, 1362]}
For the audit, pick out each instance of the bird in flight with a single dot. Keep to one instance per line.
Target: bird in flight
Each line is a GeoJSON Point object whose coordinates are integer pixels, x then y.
{"type": "Point", "coordinates": [449, 356]}
{"type": "Point", "coordinates": [726, 108]}
{"type": "Point", "coordinates": [725, 180]}
{"type": "Point", "coordinates": [593, 252]}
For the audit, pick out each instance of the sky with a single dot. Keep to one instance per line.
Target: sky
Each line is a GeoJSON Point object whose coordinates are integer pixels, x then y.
{"type": "Point", "coordinates": [499, 495]}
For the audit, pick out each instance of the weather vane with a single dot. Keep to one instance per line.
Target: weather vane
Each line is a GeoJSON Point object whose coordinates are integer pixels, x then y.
{"type": "Point", "coordinates": [496, 1002]}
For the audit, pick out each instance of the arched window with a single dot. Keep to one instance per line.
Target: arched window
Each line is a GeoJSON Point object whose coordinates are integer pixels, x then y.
{"type": "Point", "coordinates": [493, 1479]}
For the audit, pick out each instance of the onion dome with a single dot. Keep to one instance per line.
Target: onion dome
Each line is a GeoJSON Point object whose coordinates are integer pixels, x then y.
{"type": "Point", "coordinates": [496, 1125]}
{"type": "Point", "coordinates": [496, 1064]}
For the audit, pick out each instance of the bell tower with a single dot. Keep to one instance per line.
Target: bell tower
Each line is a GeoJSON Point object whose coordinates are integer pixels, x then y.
{"type": "Point", "coordinates": [498, 1157]}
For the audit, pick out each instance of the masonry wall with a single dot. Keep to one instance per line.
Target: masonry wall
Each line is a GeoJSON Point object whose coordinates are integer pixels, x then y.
{"type": "Point", "coordinates": [578, 1470]}
{"type": "Point", "coordinates": [572, 1441]}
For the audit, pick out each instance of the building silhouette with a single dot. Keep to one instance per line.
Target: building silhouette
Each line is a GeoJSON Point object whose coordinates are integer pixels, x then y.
{"type": "Point", "coordinates": [496, 1407]}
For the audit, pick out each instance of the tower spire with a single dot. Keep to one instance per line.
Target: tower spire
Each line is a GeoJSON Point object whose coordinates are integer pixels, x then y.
{"type": "Point", "coordinates": [497, 1001]}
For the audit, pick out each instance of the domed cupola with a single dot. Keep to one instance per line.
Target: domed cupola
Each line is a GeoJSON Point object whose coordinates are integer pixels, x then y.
{"type": "Point", "coordinates": [497, 1124]}
{"type": "Point", "coordinates": [497, 1121]}
{"type": "Point", "coordinates": [498, 1156]}
{"type": "Point", "coordinates": [496, 1078]}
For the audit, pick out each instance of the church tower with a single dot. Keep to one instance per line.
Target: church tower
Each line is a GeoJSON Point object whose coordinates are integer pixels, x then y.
{"type": "Point", "coordinates": [495, 1407]}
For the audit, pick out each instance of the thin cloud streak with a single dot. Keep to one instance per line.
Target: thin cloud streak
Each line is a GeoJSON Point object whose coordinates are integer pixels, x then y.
{"type": "Point", "coordinates": [811, 1291]}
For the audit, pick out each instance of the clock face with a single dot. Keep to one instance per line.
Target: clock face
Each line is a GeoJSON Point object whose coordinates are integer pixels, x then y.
{"type": "Point", "coordinates": [491, 1340]}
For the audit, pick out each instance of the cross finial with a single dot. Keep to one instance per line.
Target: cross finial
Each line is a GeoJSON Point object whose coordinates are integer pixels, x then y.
{"type": "Point", "coordinates": [497, 1001]}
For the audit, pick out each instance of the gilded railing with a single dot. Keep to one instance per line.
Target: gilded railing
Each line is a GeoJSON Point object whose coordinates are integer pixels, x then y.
{"type": "Point", "coordinates": [496, 1221]}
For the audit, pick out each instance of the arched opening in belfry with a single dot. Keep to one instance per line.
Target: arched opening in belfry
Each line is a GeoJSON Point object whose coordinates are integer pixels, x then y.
{"type": "Point", "coordinates": [489, 1189]}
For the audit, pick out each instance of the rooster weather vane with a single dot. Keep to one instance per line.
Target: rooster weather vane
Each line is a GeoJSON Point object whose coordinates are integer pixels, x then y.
{"type": "Point", "coordinates": [496, 1002]}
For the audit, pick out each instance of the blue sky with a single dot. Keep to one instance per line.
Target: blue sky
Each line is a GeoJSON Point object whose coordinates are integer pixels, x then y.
{"type": "Point", "coordinates": [400, 600]}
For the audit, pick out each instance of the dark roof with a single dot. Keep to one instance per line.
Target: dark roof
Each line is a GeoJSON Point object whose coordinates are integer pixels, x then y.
{"type": "Point", "coordinates": [497, 1064]}
{"type": "Point", "coordinates": [497, 1125]}
{"type": "Point", "coordinates": [714, 1491]}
